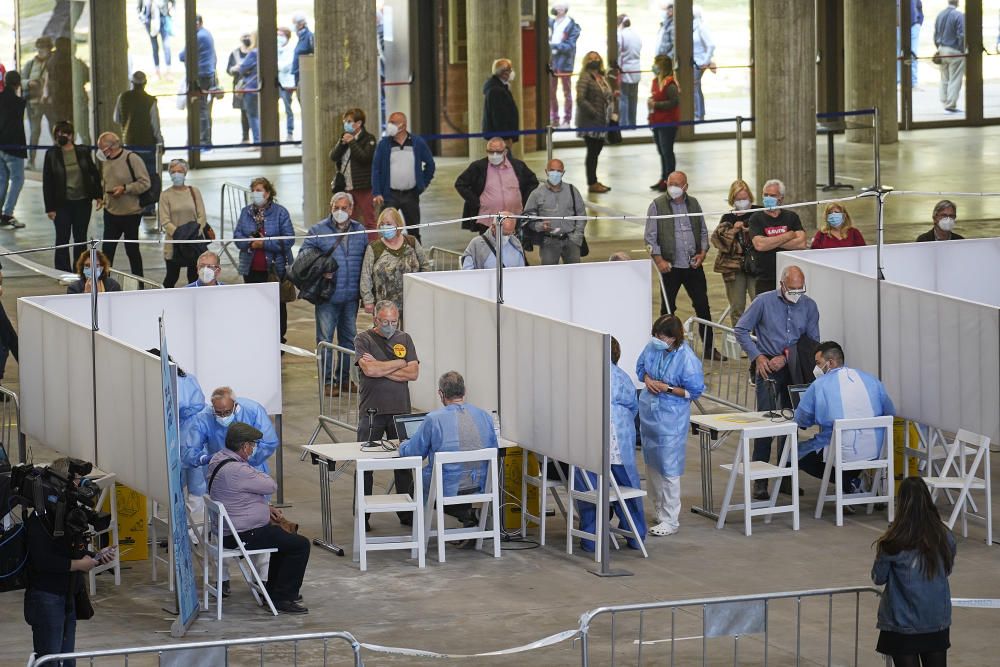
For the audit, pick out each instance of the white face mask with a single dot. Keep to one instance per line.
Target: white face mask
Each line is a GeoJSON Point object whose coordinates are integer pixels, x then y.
{"type": "Point", "coordinates": [496, 159]}
{"type": "Point", "coordinates": [741, 204]}
{"type": "Point", "coordinates": [946, 224]}
{"type": "Point", "coordinates": [675, 192]}
{"type": "Point", "coordinates": [282, 40]}
{"type": "Point", "coordinates": [818, 372]}
{"type": "Point", "coordinates": [793, 297]}
{"type": "Point", "coordinates": [391, 129]}
{"type": "Point", "coordinates": [340, 216]}
{"type": "Point", "coordinates": [511, 77]}
{"type": "Point", "coordinates": [206, 274]}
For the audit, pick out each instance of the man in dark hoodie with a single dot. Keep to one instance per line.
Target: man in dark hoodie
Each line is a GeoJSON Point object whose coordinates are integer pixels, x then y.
{"type": "Point", "coordinates": [500, 113]}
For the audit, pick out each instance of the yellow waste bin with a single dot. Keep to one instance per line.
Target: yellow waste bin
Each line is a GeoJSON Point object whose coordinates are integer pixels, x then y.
{"type": "Point", "coordinates": [898, 443]}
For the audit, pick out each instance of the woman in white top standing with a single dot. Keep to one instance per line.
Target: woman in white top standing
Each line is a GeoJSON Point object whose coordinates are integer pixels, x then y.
{"type": "Point", "coordinates": [286, 80]}
{"type": "Point", "coordinates": [180, 204]}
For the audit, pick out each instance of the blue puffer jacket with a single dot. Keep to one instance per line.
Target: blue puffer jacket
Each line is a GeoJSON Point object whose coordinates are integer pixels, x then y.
{"type": "Point", "coordinates": [277, 222]}
{"type": "Point", "coordinates": [563, 54]}
{"type": "Point", "coordinates": [349, 255]}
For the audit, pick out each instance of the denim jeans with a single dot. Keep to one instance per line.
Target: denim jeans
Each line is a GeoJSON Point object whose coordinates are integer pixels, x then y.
{"type": "Point", "coordinates": [52, 617]}
{"type": "Point", "coordinates": [205, 84]}
{"type": "Point", "coordinates": [627, 103]}
{"type": "Point", "coordinates": [782, 378]}
{"type": "Point", "coordinates": [342, 318]}
{"type": "Point", "coordinates": [286, 97]}
{"type": "Point", "coordinates": [252, 108]}
{"type": "Point", "coordinates": [12, 172]}
{"type": "Point", "coordinates": [699, 97]}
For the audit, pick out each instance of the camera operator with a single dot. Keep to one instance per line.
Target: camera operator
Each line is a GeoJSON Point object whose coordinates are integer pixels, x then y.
{"type": "Point", "coordinates": [55, 579]}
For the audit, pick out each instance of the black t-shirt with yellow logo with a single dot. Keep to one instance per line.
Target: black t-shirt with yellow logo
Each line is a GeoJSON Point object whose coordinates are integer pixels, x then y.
{"type": "Point", "coordinates": [387, 396]}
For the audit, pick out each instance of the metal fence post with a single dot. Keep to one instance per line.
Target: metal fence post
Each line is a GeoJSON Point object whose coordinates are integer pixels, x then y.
{"type": "Point", "coordinates": [739, 147]}
{"type": "Point", "coordinates": [549, 134]}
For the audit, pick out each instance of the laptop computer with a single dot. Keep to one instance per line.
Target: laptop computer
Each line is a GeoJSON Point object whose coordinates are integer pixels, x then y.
{"type": "Point", "coordinates": [795, 392]}
{"type": "Point", "coordinates": [407, 425]}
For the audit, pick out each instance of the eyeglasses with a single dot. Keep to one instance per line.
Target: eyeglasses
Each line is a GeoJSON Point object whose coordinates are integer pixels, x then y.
{"type": "Point", "coordinates": [389, 322]}
{"type": "Point", "coordinates": [214, 267]}
{"type": "Point", "coordinates": [224, 413]}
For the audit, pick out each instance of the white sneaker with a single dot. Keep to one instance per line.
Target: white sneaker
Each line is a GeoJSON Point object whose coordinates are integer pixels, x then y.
{"type": "Point", "coordinates": [663, 529]}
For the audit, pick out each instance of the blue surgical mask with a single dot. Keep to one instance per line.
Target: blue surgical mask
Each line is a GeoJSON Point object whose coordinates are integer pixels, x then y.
{"type": "Point", "coordinates": [555, 177]}
{"type": "Point", "coordinates": [835, 219]}
{"type": "Point", "coordinates": [177, 178]}
{"type": "Point", "coordinates": [387, 330]}
{"type": "Point", "coordinates": [659, 344]}
{"type": "Point", "coordinates": [770, 202]}
{"type": "Point", "coordinates": [348, 127]}
{"type": "Point", "coordinates": [224, 422]}
{"type": "Point", "coordinates": [258, 197]}
{"type": "Point", "coordinates": [88, 274]}
{"type": "Point", "coordinates": [388, 232]}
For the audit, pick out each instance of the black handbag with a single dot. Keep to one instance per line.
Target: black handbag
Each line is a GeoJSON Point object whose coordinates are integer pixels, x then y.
{"type": "Point", "coordinates": [150, 196]}
{"type": "Point", "coordinates": [751, 265]}
{"type": "Point", "coordinates": [614, 135]}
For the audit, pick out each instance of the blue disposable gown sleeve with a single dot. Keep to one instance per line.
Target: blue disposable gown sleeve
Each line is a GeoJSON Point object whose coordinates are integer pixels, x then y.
{"type": "Point", "coordinates": [421, 442]}
{"type": "Point", "coordinates": [194, 439]}
{"type": "Point", "coordinates": [256, 416]}
{"type": "Point", "coordinates": [190, 398]}
{"type": "Point", "coordinates": [692, 377]}
{"type": "Point", "coordinates": [805, 414]}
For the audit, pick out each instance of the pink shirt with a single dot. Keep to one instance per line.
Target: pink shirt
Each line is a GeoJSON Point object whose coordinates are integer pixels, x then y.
{"type": "Point", "coordinates": [242, 490]}
{"type": "Point", "coordinates": [854, 238]}
{"type": "Point", "coordinates": [502, 192]}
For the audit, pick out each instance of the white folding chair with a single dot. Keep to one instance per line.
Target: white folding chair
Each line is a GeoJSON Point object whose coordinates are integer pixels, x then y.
{"type": "Point", "coordinates": [107, 486]}
{"type": "Point", "coordinates": [489, 499]}
{"type": "Point", "coordinates": [619, 494]}
{"type": "Point", "coordinates": [217, 523]}
{"type": "Point", "coordinates": [393, 502]}
{"type": "Point", "coordinates": [545, 486]}
{"type": "Point", "coordinates": [882, 465]}
{"type": "Point", "coordinates": [965, 479]}
{"type": "Point", "coordinates": [788, 466]}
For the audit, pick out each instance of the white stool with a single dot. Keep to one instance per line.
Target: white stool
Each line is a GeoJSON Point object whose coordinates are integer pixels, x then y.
{"type": "Point", "coordinates": [965, 480]}
{"type": "Point", "coordinates": [619, 494]}
{"type": "Point", "coordinates": [216, 522]}
{"type": "Point", "coordinates": [757, 470]}
{"type": "Point", "coordinates": [545, 486]}
{"type": "Point", "coordinates": [489, 499]}
{"type": "Point", "coordinates": [392, 502]}
{"type": "Point", "coordinates": [881, 465]}
{"type": "Point", "coordinates": [107, 486]}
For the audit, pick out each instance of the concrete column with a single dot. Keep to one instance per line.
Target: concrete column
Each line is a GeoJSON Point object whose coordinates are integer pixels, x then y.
{"type": "Point", "coordinates": [109, 65]}
{"type": "Point", "coordinates": [346, 76]}
{"type": "Point", "coordinates": [314, 206]}
{"type": "Point", "coordinates": [785, 99]}
{"type": "Point", "coordinates": [494, 30]}
{"type": "Point", "coordinates": [870, 67]}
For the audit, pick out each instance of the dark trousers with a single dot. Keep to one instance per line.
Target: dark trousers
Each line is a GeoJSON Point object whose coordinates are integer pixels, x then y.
{"type": "Point", "coordinates": [594, 147]}
{"type": "Point", "coordinates": [52, 617]}
{"type": "Point", "coordinates": [174, 272]}
{"type": "Point", "coordinates": [205, 84]}
{"type": "Point", "coordinates": [664, 138]}
{"type": "Point", "coordinates": [127, 226]}
{"type": "Point", "coordinates": [383, 426]}
{"type": "Point", "coordinates": [782, 378]}
{"type": "Point", "coordinates": [287, 565]}
{"type": "Point", "coordinates": [73, 217]}
{"type": "Point", "coordinates": [261, 277]}
{"type": "Point", "coordinates": [765, 285]}
{"type": "Point", "coordinates": [813, 464]}
{"type": "Point", "coordinates": [408, 203]}
{"type": "Point", "coordinates": [8, 339]}
{"type": "Point", "coordinates": [696, 287]}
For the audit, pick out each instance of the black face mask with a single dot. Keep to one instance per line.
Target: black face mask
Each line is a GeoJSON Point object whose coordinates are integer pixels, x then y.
{"type": "Point", "coordinates": [594, 64]}
{"type": "Point", "coordinates": [62, 139]}
{"type": "Point", "coordinates": [246, 42]}
{"type": "Point", "coordinates": [554, 13]}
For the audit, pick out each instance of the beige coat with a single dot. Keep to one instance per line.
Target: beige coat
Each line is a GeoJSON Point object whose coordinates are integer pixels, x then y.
{"type": "Point", "coordinates": [179, 206]}
{"type": "Point", "coordinates": [115, 172]}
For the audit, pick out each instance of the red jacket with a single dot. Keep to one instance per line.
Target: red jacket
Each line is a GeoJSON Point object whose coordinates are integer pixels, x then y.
{"type": "Point", "coordinates": [660, 95]}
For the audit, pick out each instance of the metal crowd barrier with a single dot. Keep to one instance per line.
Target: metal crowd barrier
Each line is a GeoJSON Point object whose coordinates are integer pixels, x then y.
{"type": "Point", "coordinates": [286, 650]}
{"type": "Point", "coordinates": [743, 629]}
{"type": "Point", "coordinates": [445, 260]}
{"type": "Point", "coordinates": [727, 376]}
{"type": "Point", "coordinates": [340, 410]}
{"type": "Point", "coordinates": [234, 199]}
{"type": "Point", "coordinates": [131, 283]}
{"type": "Point", "coordinates": [10, 423]}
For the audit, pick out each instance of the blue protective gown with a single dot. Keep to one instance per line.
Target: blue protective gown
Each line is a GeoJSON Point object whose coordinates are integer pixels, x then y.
{"type": "Point", "coordinates": [624, 408]}
{"type": "Point", "coordinates": [207, 436]}
{"type": "Point", "coordinates": [190, 402]}
{"type": "Point", "coordinates": [439, 432]}
{"type": "Point", "coordinates": [664, 419]}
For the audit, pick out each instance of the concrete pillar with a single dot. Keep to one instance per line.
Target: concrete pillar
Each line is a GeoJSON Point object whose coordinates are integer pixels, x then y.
{"type": "Point", "coordinates": [870, 67]}
{"type": "Point", "coordinates": [346, 76]}
{"type": "Point", "coordinates": [314, 206]}
{"type": "Point", "coordinates": [109, 65]}
{"type": "Point", "coordinates": [785, 98]}
{"type": "Point", "coordinates": [494, 30]}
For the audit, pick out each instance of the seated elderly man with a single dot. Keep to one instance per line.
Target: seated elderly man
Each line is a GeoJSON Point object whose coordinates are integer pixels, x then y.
{"type": "Point", "coordinates": [481, 253]}
{"type": "Point", "coordinates": [209, 269]}
{"type": "Point", "coordinates": [840, 392]}
{"type": "Point", "coordinates": [458, 426]}
{"type": "Point", "coordinates": [244, 491]}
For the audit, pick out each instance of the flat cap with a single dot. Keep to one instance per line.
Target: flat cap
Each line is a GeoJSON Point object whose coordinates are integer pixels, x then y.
{"type": "Point", "coordinates": [240, 432]}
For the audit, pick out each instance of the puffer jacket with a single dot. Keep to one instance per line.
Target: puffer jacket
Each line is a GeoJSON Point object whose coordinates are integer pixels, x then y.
{"type": "Point", "coordinates": [349, 255]}
{"type": "Point", "coordinates": [729, 260]}
{"type": "Point", "coordinates": [277, 222]}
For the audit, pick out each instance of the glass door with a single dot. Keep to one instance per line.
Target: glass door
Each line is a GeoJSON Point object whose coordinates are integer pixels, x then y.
{"type": "Point", "coordinates": [991, 59]}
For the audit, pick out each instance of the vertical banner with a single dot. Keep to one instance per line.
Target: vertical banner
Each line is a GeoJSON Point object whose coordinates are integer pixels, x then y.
{"type": "Point", "coordinates": [187, 591]}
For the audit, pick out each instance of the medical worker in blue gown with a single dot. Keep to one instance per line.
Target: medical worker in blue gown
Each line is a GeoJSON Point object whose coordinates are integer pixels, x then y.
{"type": "Point", "coordinates": [673, 377]}
{"type": "Point", "coordinates": [840, 392]}
{"type": "Point", "coordinates": [624, 408]}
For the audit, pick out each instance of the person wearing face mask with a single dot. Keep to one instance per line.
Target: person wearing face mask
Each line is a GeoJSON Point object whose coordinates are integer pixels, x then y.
{"type": "Point", "coordinates": [13, 153]}
{"type": "Point", "coordinates": [778, 319]}
{"type": "Point", "coordinates": [548, 204]}
{"type": "Point", "coordinates": [35, 79]}
{"type": "Point", "coordinates": [837, 230]}
{"type": "Point", "coordinates": [563, 34]}
{"type": "Point", "coordinates": [481, 253]}
{"type": "Point", "coordinates": [353, 157]}
{"type": "Point", "coordinates": [840, 392]}
{"type": "Point", "coordinates": [945, 214]}
{"type": "Point", "coordinates": [595, 108]}
{"type": "Point", "coordinates": [85, 273]}
{"type": "Point", "coordinates": [124, 178]}
{"type": "Point", "coordinates": [236, 57]}
{"type": "Point", "coordinates": [672, 377]}
{"type": "Point", "coordinates": [136, 111]}
{"type": "Point", "coordinates": [209, 269]}
{"type": "Point", "coordinates": [387, 259]}
{"type": "Point", "coordinates": [387, 361]}
{"type": "Point", "coordinates": [207, 84]}
{"type": "Point", "coordinates": [667, 35]}
{"type": "Point", "coordinates": [773, 230]}
{"type": "Point", "coordinates": [338, 237]}
{"type": "Point", "coordinates": [250, 85]}
{"type": "Point", "coordinates": [664, 104]}
{"type": "Point", "coordinates": [678, 246]}
{"type": "Point", "coordinates": [264, 260]}
{"type": "Point", "coordinates": [305, 45]}
{"type": "Point", "coordinates": [497, 182]}
{"type": "Point", "coordinates": [71, 185]}
{"type": "Point", "coordinates": [181, 204]}
{"type": "Point", "coordinates": [402, 169]}
{"type": "Point", "coordinates": [732, 238]}
{"type": "Point", "coordinates": [500, 112]}
{"type": "Point", "coordinates": [286, 80]}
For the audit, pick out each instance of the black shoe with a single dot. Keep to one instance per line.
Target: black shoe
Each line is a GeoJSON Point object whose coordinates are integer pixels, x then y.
{"type": "Point", "coordinates": [368, 526]}
{"type": "Point", "coordinates": [760, 490]}
{"type": "Point", "coordinates": [786, 487]}
{"type": "Point", "coordinates": [290, 607]}
{"type": "Point", "coordinates": [225, 589]}
{"type": "Point", "coordinates": [406, 520]}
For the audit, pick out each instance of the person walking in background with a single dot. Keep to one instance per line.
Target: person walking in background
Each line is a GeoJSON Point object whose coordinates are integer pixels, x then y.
{"type": "Point", "coordinates": [305, 44]}
{"type": "Point", "coordinates": [402, 169]}
{"type": "Point", "coordinates": [500, 114]}
{"type": "Point", "coordinates": [124, 178]}
{"type": "Point", "coordinates": [916, 22]}
{"type": "Point", "coordinates": [286, 80]}
{"type": "Point", "coordinates": [250, 86]}
{"type": "Point", "coordinates": [136, 111]}
{"type": "Point", "coordinates": [702, 50]}
{"type": "Point", "coordinates": [629, 48]}
{"type": "Point", "coordinates": [666, 37]}
{"type": "Point", "coordinates": [837, 230]}
{"type": "Point", "coordinates": [949, 39]}
{"type": "Point", "coordinates": [913, 560]}
{"type": "Point", "coordinates": [664, 104]}
{"type": "Point", "coordinates": [71, 185]}
{"type": "Point", "coordinates": [732, 238]}
{"type": "Point", "coordinates": [353, 157]}
{"type": "Point", "coordinates": [155, 16]}
{"type": "Point", "coordinates": [35, 79]}
{"type": "Point", "coordinates": [12, 155]}
{"type": "Point", "coordinates": [236, 57]}
{"type": "Point", "coordinates": [207, 83]}
{"type": "Point", "coordinates": [594, 109]}
{"type": "Point", "coordinates": [563, 33]}
{"type": "Point", "coordinates": [181, 205]}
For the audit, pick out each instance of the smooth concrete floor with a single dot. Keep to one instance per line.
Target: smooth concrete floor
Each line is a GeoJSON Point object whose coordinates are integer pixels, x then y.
{"type": "Point", "coordinates": [474, 603]}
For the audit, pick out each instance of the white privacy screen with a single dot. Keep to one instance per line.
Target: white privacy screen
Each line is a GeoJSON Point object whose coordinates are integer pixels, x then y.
{"type": "Point", "coordinates": [940, 324]}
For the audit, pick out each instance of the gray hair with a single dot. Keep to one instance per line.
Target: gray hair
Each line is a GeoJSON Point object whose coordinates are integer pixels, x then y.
{"type": "Point", "coordinates": [342, 195]}
{"type": "Point", "coordinates": [112, 138]}
{"type": "Point", "coordinates": [788, 269]}
{"type": "Point", "coordinates": [500, 64]}
{"type": "Point", "coordinates": [774, 181]}
{"type": "Point", "coordinates": [495, 139]}
{"type": "Point", "coordinates": [386, 304]}
{"type": "Point", "coordinates": [451, 385]}
{"type": "Point", "coordinates": [942, 205]}
{"type": "Point", "coordinates": [620, 256]}
{"type": "Point", "coordinates": [207, 254]}
{"type": "Point", "coordinates": [178, 162]}
{"type": "Point", "coordinates": [223, 392]}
